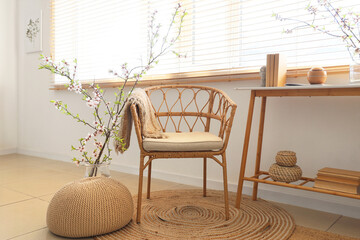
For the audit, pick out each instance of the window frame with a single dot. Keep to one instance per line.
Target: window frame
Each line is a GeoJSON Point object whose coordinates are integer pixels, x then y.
{"type": "Point", "coordinates": [207, 76]}
{"type": "Point", "coordinates": [202, 77]}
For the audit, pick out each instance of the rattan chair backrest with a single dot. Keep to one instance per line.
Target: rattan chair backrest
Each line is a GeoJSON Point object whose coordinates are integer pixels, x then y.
{"type": "Point", "coordinates": [190, 108]}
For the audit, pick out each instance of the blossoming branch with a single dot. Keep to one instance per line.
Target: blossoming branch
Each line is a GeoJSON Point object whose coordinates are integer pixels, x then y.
{"type": "Point", "coordinates": [106, 114]}
{"type": "Point", "coordinates": [346, 21]}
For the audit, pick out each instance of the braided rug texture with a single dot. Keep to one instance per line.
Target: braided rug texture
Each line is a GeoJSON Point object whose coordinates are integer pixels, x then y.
{"type": "Point", "coordinates": [186, 214]}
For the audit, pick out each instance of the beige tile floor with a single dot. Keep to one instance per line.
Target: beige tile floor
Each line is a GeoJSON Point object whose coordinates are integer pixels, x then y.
{"type": "Point", "coordinates": [27, 185]}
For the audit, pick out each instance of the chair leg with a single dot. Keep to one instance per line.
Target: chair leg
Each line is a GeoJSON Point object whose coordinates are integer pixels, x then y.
{"type": "Point", "coordinates": [141, 172]}
{"type": "Point", "coordinates": [149, 180]}
{"type": "Point", "coordinates": [204, 178]}
{"type": "Point", "coordinates": [226, 194]}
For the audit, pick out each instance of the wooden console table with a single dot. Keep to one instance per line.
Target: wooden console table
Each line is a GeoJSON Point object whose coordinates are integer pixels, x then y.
{"type": "Point", "coordinates": [264, 93]}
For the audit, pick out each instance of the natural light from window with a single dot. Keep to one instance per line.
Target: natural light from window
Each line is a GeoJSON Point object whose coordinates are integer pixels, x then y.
{"type": "Point", "coordinates": [217, 35]}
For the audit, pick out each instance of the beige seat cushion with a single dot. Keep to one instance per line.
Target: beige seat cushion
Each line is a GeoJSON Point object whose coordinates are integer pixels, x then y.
{"type": "Point", "coordinates": [184, 142]}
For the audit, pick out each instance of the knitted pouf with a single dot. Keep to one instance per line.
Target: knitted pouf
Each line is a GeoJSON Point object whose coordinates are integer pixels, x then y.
{"type": "Point", "coordinates": [89, 207]}
{"type": "Point", "coordinates": [286, 158]}
{"type": "Point", "coordinates": [285, 174]}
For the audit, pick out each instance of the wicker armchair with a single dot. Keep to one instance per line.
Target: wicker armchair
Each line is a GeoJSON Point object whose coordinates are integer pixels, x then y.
{"type": "Point", "coordinates": [185, 113]}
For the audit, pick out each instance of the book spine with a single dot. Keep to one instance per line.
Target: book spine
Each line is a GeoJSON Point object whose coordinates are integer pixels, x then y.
{"type": "Point", "coordinates": [272, 69]}
{"type": "Point", "coordinates": [338, 175]}
{"type": "Point", "coordinates": [268, 70]}
{"type": "Point", "coordinates": [276, 70]}
{"type": "Point", "coordinates": [338, 171]}
{"type": "Point", "coordinates": [338, 179]}
{"type": "Point", "coordinates": [282, 70]}
{"type": "Point", "coordinates": [340, 187]}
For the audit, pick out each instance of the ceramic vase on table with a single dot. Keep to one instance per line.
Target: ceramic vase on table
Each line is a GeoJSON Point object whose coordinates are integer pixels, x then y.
{"type": "Point", "coordinates": [317, 75]}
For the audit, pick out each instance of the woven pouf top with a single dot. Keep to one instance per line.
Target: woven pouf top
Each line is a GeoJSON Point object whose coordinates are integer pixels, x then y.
{"type": "Point", "coordinates": [286, 158]}
{"type": "Point", "coordinates": [285, 174]}
{"type": "Point", "coordinates": [186, 214]}
{"type": "Point", "coordinates": [90, 206]}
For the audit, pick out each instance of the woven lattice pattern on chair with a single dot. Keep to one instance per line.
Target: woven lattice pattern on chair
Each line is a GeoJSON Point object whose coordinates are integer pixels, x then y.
{"type": "Point", "coordinates": [189, 108]}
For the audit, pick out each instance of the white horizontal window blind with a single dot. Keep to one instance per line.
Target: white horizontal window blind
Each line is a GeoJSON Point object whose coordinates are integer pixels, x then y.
{"type": "Point", "coordinates": [210, 38]}
{"type": "Point", "coordinates": [216, 36]}
{"type": "Point", "coordinates": [262, 33]}
{"type": "Point", "coordinates": [102, 35]}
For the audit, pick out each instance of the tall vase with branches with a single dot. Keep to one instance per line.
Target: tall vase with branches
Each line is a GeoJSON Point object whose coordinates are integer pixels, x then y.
{"type": "Point", "coordinates": [346, 25]}
{"type": "Point", "coordinates": [104, 125]}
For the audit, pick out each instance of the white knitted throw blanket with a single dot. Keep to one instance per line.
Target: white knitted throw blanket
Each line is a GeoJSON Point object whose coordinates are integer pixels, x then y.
{"type": "Point", "coordinates": [150, 125]}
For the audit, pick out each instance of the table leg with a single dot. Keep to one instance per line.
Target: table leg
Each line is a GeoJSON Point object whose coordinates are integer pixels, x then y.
{"type": "Point", "coordinates": [259, 146]}
{"type": "Point", "coordinates": [245, 149]}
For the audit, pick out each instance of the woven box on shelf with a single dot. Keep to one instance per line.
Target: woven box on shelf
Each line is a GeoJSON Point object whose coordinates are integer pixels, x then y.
{"type": "Point", "coordinates": [286, 158]}
{"type": "Point", "coordinates": [89, 207]}
{"type": "Point", "coordinates": [285, 174]}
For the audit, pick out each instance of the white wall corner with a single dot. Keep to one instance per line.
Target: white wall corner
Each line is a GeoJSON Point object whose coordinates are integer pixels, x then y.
{"type": "Point", "coordinates": [7, 151]}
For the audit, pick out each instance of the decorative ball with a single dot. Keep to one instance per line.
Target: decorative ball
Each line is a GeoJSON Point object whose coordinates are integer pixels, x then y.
{"type": "Point", "coordinates": [317, 75]}
{"type": "Point", "coordinates": [89, 207]}
{"type": "Point", "coordinates": [285, 174]}
{"type": "Point", "coordinates": [286, 158]}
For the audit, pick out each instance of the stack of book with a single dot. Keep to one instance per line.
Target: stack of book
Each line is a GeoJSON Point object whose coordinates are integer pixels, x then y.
{"type": "Point", "coordinates": [275, 70]}
{"type": "Point", "coordinates": [338, 180]}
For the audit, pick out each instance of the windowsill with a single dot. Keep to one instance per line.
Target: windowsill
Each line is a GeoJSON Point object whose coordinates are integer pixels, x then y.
{"type": "Point", "coordinates": [201, 77]}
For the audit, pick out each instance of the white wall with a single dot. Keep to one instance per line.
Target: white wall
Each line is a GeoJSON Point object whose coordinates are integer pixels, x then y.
{"type": "Point", "coordinates": [324, 131]}
{"type": "Point", "coordinates": [8, 77]}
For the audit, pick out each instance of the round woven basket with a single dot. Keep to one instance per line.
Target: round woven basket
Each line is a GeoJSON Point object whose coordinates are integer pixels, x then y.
{"type": "Point", "coordinates": [89, 207]}
{"type": "Point", "coordinates": [286, 158]}
{"type": "Point", "coordinates": [285, 174]}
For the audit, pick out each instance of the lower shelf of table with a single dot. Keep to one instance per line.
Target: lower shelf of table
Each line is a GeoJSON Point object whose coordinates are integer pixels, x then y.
{"type": "Point", "coordinates": [263, 177]}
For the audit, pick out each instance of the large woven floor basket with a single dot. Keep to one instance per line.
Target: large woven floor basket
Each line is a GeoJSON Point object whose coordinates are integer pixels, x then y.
{"type": "Point", "coordinates": [89, 207]}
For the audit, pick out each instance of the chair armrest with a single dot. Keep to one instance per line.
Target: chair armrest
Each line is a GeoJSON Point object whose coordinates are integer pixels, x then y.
{"type": "Point", "coordinates": [228, 109]}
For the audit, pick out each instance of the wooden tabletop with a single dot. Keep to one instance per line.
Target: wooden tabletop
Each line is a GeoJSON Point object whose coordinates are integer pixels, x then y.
{"type": "Point", "coordinates": [305, 90]}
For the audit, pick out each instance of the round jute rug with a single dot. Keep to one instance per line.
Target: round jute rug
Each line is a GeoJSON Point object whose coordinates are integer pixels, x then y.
{"type": "Point", "coordinates": [186, 214]}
